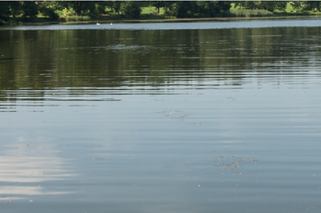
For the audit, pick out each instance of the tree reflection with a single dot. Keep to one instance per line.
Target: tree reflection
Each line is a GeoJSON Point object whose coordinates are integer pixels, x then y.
{"type": "Point", "coordinates": [44, 60]}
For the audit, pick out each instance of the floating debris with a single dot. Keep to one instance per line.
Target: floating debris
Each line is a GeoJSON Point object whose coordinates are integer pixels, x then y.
{"type": "Point", "coordinates": [229, 166]}
{"type": "Point", "coordinates": [224, 161]}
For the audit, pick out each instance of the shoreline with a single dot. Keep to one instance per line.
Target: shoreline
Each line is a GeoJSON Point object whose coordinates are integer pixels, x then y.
{"type": "Point", "coordinates": [45, 22]}
{"type": "Point", "coordinates": [218, 19]}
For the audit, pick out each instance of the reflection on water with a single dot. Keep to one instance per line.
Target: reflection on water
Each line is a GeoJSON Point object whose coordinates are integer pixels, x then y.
{"type": "Point", "coordinates": [85, 63]}
{"type": "Point", "coordinates": [26, 170]}
{"type": "Point", "coordinates": [190, 120]}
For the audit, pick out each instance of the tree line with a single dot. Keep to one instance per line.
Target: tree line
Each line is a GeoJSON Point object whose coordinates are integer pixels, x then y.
{"type": "Point", "coordinates": [132, 9]}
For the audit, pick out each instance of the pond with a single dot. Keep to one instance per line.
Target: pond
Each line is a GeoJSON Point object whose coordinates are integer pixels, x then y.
{"type": "Point", "coordinates": [162, 117]}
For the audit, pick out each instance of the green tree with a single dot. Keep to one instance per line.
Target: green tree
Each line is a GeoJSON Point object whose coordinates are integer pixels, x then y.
{"type": "Point", "coordinates": [247, 4]}
{"type": "Point", "coordinates": [100, 7]}
{"type": "Point", "coordinates": [211, 8]}
{"type": "Point", "coordinates": [300, 5]}
{"type": "Point", "coordinates": [131, 9]}
{"type": "Point", "coordinates": [273, 5]}
{"type": "Point", "coordinates": [4, 10]}
{"type": "Point", "coordinates": [266, 5]}
{"type": "Point", "coordinates": [181, 9]}
{"type": "Point", "coordinates": [115, 6]}
{"type": "Point", "coordinates": [49, 8]}
{"type": "Point", "coordinates": [157, 4]}
{"type": "Point", "coordinates": [29, 9]}
{"type": "Point", "coordinates": [82, 7]}
{"type": "Point", "coordinates": [312, 5]}
{"type": "Point", "coordinates": [15, 8]}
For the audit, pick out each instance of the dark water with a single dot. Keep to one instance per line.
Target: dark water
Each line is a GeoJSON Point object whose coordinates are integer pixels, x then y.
{"type": "Point", "coordinates": [136, 120]}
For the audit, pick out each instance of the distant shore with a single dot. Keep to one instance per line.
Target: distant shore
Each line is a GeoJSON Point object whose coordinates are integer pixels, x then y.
{"type": "Point", "coordinates": [43, 21]}
{"type": "Point", "coordinates": [219, 18]}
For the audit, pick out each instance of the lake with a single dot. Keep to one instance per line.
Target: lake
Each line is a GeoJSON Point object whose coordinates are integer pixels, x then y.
{"type": "Point", "coordinates": [161, 117]}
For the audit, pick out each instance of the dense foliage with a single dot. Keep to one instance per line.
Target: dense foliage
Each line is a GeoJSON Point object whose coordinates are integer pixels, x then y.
{"type": "Point", "coordinates": [25, 10]}
{"type": "Point", "coordinates": [131, 9]}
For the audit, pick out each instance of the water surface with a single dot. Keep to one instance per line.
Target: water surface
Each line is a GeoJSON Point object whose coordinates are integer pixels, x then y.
{"type": "Point", "coordinates": [146, 118]}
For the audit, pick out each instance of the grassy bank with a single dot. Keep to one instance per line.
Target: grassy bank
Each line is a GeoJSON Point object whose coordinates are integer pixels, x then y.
{"type": "Point", "coordinates": [250, 13]}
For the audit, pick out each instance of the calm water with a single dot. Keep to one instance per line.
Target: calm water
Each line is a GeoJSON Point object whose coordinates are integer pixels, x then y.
{"type": "Point", "coordinates": [147, 118]}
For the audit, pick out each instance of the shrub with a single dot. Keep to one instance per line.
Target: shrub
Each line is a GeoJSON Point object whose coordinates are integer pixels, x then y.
{"type": "Point", "coordinates": [78, 18]}
{"type": "Point", "coordinates": [251, 13]}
